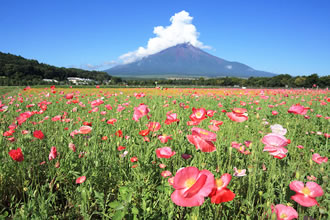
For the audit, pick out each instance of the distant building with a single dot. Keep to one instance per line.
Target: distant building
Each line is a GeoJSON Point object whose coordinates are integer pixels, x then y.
{"type": "Point", "coordinates": [79, 81]}
{"type": "Point", "coordinates": [50, 80]}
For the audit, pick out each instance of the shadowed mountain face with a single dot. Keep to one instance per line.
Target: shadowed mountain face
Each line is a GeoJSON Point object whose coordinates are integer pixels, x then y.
{"type": "Point", "coordinates": [185, 60]}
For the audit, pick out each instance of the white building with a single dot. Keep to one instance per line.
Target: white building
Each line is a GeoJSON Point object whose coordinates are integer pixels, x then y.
{"type": "Point", "coordinates": [79, 81]}
{"type": "Point", "coordinates": [50, 80]}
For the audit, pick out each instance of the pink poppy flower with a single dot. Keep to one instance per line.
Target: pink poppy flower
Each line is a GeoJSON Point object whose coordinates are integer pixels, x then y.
{"type": "Point", "coordinates": [300, 147]}
{"type": "Point", "coordinates": [210, 113]}
{"type": "Point", "coordinates": [238, 115]}
{"type": "Point", "coordinates": [274, 113]}
{"type": "Point", "coordinates": [202, 139]}
{"type": "Point", "coordinates": [171, 180]}
{"type": "Point", "coordinates": [305, 195]}
{"type": "Point", "coordinates": [96, 103]}
{"type": "Point", "coordinates": [216, 123]}
{"type": "Point", "coordinates": [165, 152]}
{"type": "Point", "coordinates": [239, 173]}
{"type": "Point", "coordinates": [120, 108]}
{"type": "Point", "coordinates": [85, 129]}
{"type": "Point", "coordinates": [298, 109]}
{"type": "Point", "coordinates": [318, 159]}
{"type": "Point", "coordinates": [112, 121]}
{"type": "Point", "coordinates": [69, 96]}
{"type": "Point", "coordinates": [164, 138]}
{"type": "Point", "coordinates": [72, 147]}
{"type": "Point", "coordinates": [220, 192]}
{"type": "Point", "coordinates": [56, 118]}
{"type": "Point", "coordinates": [171, 117]}
{"type": "Point", "coordinates": [285, 212]}
{"type": "Point", "coordinates": [80, 180]}
{"type": "Point", "coordinates": [190, 123]}
{"type": "Point", "coordinates": [8, 133]}
{"type": "Point", "coordinates": [274, 140]}
{"type": "Point", "coordinates": [204, 134]}
{"type": "Point", "coordinates": [166, 173]}
{"type": "Point", "coordinates": [52, 154]}
{"type": "Point", "coordinates": [140, 111]}
{"type": "Point", "coordinates": [240, 148]}
{"type": "Point", "coordinates": [154, 126]}
{"type": "Point", "coordinates": [162, 166]}
{"type": "Point", "coordinates": [278, 129]}
{"type": "Point", "coordinates": [73, 133]}
{"type": "Point", "coordinates": [312, 178]}
{"type": "Point", "coordinates": [213, 128]}
{"type": "Point", "coordinates": [198, 114]}
{"type": "Point", "coordinates": [191, 186]}
{"type": "Point", "coordinates": [109, 107]}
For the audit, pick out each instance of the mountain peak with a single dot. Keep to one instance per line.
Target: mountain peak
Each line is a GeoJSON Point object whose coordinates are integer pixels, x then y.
{"type": "Point", "coordinates": [184, 60]}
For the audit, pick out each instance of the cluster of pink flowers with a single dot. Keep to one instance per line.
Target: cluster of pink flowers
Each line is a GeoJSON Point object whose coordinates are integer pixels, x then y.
{"type": "Point", "coordinates": [275, 142]}
{"type": "Point", "coordinates": [193, 185]}
{"type": "Point", "coordinates": [240, 147]}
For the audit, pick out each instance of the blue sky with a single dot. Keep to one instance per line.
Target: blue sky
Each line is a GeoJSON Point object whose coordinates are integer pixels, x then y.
{"type": "Point", "coordinates": [280, 36]}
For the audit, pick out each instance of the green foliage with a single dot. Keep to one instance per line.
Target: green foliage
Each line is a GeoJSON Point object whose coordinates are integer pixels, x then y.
{"type": "Point", "coordinates": [278, 81]}
{"type": "Point", "coordinates": [16, 70]}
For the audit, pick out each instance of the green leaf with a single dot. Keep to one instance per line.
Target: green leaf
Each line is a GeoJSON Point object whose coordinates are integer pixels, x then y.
{"type": "Point", "coordinates": [119, 215]}
{"type": "Point", "coordinates": [135, 211]}
{"type": "Point", "coordinates": [116, 205]}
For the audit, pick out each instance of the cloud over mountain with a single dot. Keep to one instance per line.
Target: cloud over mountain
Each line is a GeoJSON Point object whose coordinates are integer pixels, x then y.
{"type": "Point", "coordinates": [181, 30]}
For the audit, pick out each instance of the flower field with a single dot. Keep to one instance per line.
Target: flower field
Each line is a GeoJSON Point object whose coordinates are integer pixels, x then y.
{"type": "Point", "coordinates": [124, 153]}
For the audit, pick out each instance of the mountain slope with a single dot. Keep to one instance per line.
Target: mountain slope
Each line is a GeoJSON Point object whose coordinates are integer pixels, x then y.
{"type": "Point", "coordinates": [21, 69]}
{"type": "Point", "coordinates": [185, 60]}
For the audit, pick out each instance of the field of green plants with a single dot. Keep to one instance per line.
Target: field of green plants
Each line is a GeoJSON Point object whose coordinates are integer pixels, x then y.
{"type": "Point", "coordinates": [100, 153]}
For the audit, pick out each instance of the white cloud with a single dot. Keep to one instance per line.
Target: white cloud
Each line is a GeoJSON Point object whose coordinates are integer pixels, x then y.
{"type": "Point", "coordinates": [229, 67]}
{"type": "Point", "coordinates": [180, 31]}
{"type": "Point", "coordinates": [104, 65]}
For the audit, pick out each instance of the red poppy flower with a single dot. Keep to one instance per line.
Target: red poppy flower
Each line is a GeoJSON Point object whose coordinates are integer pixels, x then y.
{"type": "Point", "coordinates": [16, 155]}
{"type": "Point", "coordinates": [144, 133]}
{"type": "Point", "coordinates": [87, 123]}
{"type": "Point", "coordinates": [38, 134]}
{"type": "Point", "coordinates": [112, 121]}
{"type": "Point", "coordinates": [119, 133]}
{"type": "Point", "coordinates": [134, 159]}
{"type": "Point", "coordinates": [120, 148]}
{"type": "Point", "coordinates": [80, 180]}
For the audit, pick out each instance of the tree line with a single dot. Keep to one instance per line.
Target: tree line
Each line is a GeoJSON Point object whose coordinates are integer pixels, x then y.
{"type": "Point", "coordinates": [283, 80]}
{"type": "Point", "coordinates": [16, 70]}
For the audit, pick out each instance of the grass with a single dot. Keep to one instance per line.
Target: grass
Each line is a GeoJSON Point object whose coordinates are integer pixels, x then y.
{"type": "Point", "coordinates": [114, 189]}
